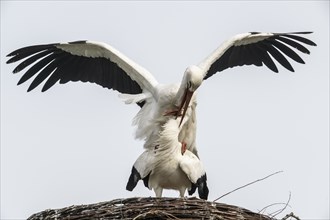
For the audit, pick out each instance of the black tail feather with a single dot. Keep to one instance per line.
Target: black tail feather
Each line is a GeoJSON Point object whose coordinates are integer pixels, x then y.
{"type": "Point", "coordinates": [133, 179]}
{"type": "Point", "coordinates": [146, 180]}
{"type": "Point", "coordinates": [203, 190]}
{"type": "Point", "coordinates": [193, 189]}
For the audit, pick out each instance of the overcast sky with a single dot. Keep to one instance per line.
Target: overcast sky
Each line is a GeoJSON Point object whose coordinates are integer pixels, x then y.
{"type": "Point", "coordinates": [74, 144]}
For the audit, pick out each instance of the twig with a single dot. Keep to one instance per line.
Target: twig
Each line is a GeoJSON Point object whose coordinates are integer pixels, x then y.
{"type": "Point", "coordinates": [281, 210]}
{"type": "Point", "coordinates": [279, 203]}
{"type": "Point", "coordinates": [155, 212]}
{"type": "Point", "coordinates": [262, 211]}
{"type": "Point", "coordinates": [247, 185]}
{"type": "Point", "coordinates": [291, 215]}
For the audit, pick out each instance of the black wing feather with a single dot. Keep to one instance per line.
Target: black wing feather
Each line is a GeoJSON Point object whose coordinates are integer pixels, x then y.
{"type": "Point", "coordinates": [300, 39]}
{"type": "Point", "coordinates": [293, 44]}
{"type": "Point", "coordinates": [265, 58]}
{"type": "Point", "coordinates": [49, 61]}
{"type": "Point", "coordinates": [58, 73]}
{"type": "Point", "coordinates": [258, 53]}
{"type": "Point", "coordinates": [254, 57]}
{"type": "Point", "coordinates": [287, 51]}
{"type": "Point", "coordinates": [35, 68]}
{"type": "Point", "coordinates": [42, 75]}
{"type": "Point", "coordinates": [234, 57]}
{"type": "Point", "coordinates": [31, 60]}
{"type": "Point", "coordinates": [27, 51]}
{"type": "Point", "coordinates": [277, 55]}
{"type": "Point", "coordinates": [47, 71]}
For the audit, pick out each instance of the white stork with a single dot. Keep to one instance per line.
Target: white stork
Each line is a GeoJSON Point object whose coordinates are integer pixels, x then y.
{"type": "Point", "coordinates": [99, 63]}
{"type": "Point", "coordinates": [163, 166]}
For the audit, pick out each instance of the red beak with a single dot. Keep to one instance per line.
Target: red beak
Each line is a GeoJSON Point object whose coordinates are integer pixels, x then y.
{"type": "Point", "coordinates": [184, 104]}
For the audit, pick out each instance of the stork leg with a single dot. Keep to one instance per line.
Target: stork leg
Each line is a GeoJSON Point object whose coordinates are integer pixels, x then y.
{"type": "Point", "coordinates": [182, 191]}
{"type": "Point", "coordinates": [158, 191]}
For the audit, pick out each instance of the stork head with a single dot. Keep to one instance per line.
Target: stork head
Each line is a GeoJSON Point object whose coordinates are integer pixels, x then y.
{"type": "Point", "coordinates": [192, 79]}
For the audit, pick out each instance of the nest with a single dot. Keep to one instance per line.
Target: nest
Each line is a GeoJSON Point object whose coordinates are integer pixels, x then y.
{"type": "Point", "coordinates": [152, 208]}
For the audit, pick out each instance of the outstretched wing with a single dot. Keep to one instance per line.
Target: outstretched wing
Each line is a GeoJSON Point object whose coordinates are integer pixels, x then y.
{"type": "Point", "coordinates": [257, 48]}
{"type": "Point", "coordinates": [85, 61]}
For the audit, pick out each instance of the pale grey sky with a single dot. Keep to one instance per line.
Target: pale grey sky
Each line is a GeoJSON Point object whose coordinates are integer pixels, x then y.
{"type": "Point", "coordinates": [74, 144]}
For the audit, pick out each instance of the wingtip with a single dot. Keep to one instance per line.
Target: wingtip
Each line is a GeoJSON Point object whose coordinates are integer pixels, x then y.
{"type": "Point", "coordinates": [11, 60]}
{"type": "Point", "coordinates": [16, 70]}
{"type": "Point", "coordinates": [20, 82]}
{"type": "Point", "coordinates": [300, 32]}
{"type": "Point", "coordinates": [10, 54]}
{"type": "Point", "coordinates": [44, 89]}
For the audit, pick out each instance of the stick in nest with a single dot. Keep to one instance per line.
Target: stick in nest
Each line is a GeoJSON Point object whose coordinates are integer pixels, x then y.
{"type": "Point", "coordinates": [247, 185]}
{"type": "Point", "coordinates": [157, 213]}
{"type": "Point", "coordinates": [274, 214]}
{"type": "Point", "coordinates": [291, 215]}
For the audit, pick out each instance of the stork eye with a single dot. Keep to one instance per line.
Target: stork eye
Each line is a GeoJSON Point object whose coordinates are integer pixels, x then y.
{"type": "Point", "coordinates": [189, 84]}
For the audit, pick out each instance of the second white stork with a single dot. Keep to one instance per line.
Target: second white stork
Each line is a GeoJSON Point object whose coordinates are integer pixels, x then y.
{"type": "Point", "coordinates": [164, 166]}
{"type": "Point", "coordinates": [100, 63]}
